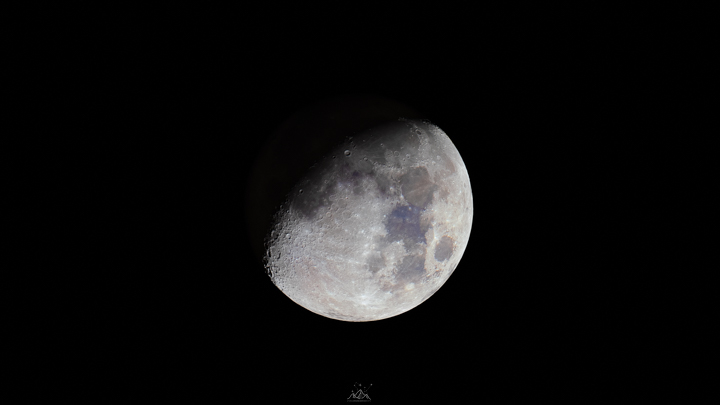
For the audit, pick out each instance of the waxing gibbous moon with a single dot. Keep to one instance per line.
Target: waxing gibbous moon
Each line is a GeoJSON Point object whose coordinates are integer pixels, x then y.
{"type": "Point", "coordinates": [376, 227]}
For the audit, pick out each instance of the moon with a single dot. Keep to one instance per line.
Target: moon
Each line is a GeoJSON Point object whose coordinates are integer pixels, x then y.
{"type": "Point", "coordinates": [374, 228]}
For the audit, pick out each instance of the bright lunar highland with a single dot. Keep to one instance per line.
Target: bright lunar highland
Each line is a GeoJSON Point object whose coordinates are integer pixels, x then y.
{"type": "Point", "coordinates": [376, 227]}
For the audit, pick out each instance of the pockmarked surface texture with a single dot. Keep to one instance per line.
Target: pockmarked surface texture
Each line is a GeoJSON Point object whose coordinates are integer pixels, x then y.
{"type": "Point", "coordinates": [376, 227]}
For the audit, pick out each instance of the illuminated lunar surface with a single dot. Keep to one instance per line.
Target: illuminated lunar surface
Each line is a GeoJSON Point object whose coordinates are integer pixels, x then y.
{"type": "Point", "coordinates": [376, 227]}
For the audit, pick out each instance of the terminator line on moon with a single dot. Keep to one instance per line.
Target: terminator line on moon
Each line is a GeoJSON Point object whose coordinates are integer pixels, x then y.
{"type": "Point", "coordinates": [376, 227]}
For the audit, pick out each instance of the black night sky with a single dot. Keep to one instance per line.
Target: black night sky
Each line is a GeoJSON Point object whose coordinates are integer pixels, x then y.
{"type": "Point", "coordinates": [159, 292]}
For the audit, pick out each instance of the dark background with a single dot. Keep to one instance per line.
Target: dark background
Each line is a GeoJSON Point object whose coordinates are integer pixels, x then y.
{"type": "Point", "coordinates": [152, 288]}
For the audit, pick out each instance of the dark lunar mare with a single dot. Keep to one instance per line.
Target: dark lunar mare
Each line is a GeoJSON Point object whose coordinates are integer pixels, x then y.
{"type": "Point", "coordinates": [417, 187]}
{"type": "Point", "coordinates": [412, 268]}
{"type": "Point", "coordinates": [403, 224]}
{"type": "Point", "coordinates": [444, 249]}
